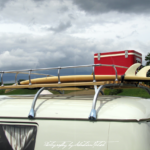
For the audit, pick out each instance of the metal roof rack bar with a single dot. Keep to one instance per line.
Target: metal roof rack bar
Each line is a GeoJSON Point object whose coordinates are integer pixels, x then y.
{"type": "Point", "coordinates": [51, 68]}
{"type": "Point", "coordinates": [93, 113]}
{"type": "Point", "coordinates": [30, 77]}
{"type": "Point", "coordinates": [16, 78]}
{"type": "Point", "coordinates": [32, 111]}
{"type": "Point", "coordinates": [2, 73]}
{"type": "Point", "coordinates": [59, 76]}
{"type": "Point", "coordinates": [145, 88]}
{"type": "Point", "coordinates": [115, 72]}
{"type": "Point", "coordinates": [2, 83]}
{"type": "Point", "coordinates": [94, 74]}
{"type": "Point", "coordinates": [66, 67]}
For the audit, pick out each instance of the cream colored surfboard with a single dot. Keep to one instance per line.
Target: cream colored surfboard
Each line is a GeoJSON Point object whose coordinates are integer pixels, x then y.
{"type": "Point", "coordinates": [141, 74]}
{"type": "Point", "coordinates": [132, 69]}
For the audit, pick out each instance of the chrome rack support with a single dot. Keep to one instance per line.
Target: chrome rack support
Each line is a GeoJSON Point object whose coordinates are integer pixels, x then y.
{"type": "Point", "coordinates": [16, 78]}
{"type": "Point", "coordinates": [95, 88]}
{"type": "Point", "coordinates": [93, 114]}
{"type": "Point", "coordinates": [102, 92]}
{"type": "Point", "coordinates": [2, 83]}
{"type": "Point", "coordinates": [116, 73]}
{"type": "Point", "coordinates": [30, 77]}
{"type": "Point", "coordinates": [94, 80]}
{"type": "Point", "coordinates": [145, 88]}
{"type": "Point", "coordinates": [59, 75]}
{"type": "Point", "coordinates": [32, 112]}
{"type": "Point", "coordinates": [94, 74]}
{"type": "Point", "coordinates": [60, 92]}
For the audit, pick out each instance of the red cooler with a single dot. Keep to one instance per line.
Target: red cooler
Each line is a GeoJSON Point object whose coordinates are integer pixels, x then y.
{"type": "Point", "coordinates": [122, 58]}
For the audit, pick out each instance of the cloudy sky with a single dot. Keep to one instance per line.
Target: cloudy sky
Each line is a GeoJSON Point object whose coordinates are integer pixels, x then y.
{"type": "Point", "coordinates": [49, 33]}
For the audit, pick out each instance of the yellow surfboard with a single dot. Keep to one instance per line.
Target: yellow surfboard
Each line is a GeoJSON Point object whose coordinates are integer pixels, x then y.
{"type": "Point", "coordinates": [74, 78]}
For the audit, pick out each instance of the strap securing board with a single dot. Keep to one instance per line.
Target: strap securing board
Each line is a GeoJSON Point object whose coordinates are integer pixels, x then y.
{"type": "Point", "coordinates": [122, 78]}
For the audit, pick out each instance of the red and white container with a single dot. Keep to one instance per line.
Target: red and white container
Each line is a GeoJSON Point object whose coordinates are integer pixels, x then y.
{"type": "Point", "coordinates": [122, 58]}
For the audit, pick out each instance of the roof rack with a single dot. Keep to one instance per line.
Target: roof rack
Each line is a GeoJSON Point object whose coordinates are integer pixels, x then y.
{"type": "Point", "coordinates": [93, 113]}
{"type": "Point", "coordinates": [102, 84]}
{"type": "Point", "coordinates": [30, 71]}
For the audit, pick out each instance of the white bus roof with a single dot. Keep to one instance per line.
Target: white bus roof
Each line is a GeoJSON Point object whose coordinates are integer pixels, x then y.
{"type": "Point", "coordinates": [75, 107]}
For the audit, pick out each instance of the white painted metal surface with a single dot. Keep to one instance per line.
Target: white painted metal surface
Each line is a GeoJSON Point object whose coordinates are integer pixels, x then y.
{"type": "Point", "coordinates": [45, 92]}
{"type": "Point", "coordinates": [77, 107]}
{"type": "Point", "coordinates": [62, 122]}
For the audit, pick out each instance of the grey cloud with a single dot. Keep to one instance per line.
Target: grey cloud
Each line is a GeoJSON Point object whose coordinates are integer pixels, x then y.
{"type": "Point", "coordinates": [39, 1]}
{"type": "Point", "coordinates": [133, 33]}
{"type": "Point", "coordinates": [71, 16]}
{"type": "Point", "coordinates": [3, 3]}
{"type": "Point", "coordinates": [61, 27]}
{"type": "Point", "coordinates": [123, 6]}
{"type": "Point", "coordinates": [63, 9]}
{"type": "Point", "coordinates": [117, 36]}
{"type": "Point", "coordinates": [35, 12]}
{"type": "Point", "coordinates": [53, 50]}
{"type": "Point", "coordinates": [46, 51]}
